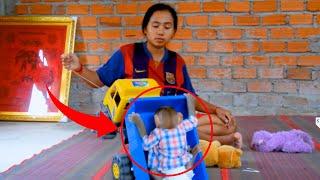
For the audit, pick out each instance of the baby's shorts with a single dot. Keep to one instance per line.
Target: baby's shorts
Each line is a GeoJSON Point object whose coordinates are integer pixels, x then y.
{"type": "Point", "coordinates": [185, 176]}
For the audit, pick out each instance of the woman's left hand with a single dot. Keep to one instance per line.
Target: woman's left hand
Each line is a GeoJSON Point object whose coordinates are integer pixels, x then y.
{"type": "Point", "coordinates": [225, 115]}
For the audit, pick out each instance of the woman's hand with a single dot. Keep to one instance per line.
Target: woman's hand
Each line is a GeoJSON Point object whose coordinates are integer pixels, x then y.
{"type": "Point", "coordinates": [70, 61]}
{"type": "Point", "coordinates": [225, 115]}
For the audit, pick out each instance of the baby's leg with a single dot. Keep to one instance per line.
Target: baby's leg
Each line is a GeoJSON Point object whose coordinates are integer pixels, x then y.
{"type": "Point", "coordinates": [194, 151]}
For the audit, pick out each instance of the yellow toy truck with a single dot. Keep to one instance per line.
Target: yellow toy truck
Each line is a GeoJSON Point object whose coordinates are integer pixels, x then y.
{"type": "Point", "coordinates": [118, 96]}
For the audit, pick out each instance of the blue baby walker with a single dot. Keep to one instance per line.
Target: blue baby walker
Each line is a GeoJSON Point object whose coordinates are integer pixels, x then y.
{"type": "Point", "coordinates": [122, 167]}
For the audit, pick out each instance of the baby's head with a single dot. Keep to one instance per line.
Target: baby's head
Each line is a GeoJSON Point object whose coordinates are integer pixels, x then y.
{"type": "Point", "coordinates": [167, 118]}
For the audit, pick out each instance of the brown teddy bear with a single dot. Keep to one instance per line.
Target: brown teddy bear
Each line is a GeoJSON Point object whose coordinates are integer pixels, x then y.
{"type": "Point", "coordinates": [224, 156]}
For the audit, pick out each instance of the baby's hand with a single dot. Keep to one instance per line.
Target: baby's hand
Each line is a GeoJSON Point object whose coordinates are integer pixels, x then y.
{"type": "Point", "coordinates": [136, 119]}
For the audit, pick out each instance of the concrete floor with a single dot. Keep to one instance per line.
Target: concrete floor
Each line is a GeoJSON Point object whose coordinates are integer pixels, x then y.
{"type": "Point", "coordinates": [21, 140]}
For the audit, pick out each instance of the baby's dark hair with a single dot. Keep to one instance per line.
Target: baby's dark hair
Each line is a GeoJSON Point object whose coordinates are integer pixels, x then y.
{"type": "Point", "coordinates": [168, 117]}
{"type": "Point", "coordinates": [159, 7]}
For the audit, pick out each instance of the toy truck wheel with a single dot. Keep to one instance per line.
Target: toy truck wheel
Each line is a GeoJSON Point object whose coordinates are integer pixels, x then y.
{"type": "Point", "coordinates": [121, 167]}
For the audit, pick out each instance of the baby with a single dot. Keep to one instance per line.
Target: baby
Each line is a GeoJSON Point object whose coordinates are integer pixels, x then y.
{"type": "Point", "coordinates": [167, 143]}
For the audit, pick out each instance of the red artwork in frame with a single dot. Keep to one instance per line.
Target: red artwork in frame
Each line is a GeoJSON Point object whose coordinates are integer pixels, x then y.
{"type": "Point", "coordinates": [30, 52]}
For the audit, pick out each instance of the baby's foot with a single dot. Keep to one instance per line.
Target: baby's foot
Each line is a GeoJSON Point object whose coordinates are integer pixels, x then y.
{"type": "Point", "coordinates": [194, 151]}
{"type": "Point", "coordinates": [237, 140]}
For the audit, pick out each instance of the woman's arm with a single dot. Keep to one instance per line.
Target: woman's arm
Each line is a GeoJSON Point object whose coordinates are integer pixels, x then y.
{"type": "Point", "coordinates": [212, 109]}
{"type": "Point", "coordinates": [72, 62]}
{"type": "Point", "coordinates": [222, 113]}
{"type": "Point", "coordinates": [90, 77]}
{"type": "Point", "coordinates": [105, 75]}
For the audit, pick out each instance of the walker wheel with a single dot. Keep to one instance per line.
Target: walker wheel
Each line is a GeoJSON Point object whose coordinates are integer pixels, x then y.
{"type": "Point", "coordinates": [121, 167]}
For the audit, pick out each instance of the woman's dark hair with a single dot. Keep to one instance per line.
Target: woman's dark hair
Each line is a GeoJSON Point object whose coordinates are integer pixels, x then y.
{"type": "Point", "coordinates": [159, 7]}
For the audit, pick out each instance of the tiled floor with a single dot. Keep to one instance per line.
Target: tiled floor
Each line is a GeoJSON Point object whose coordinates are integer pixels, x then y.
{"type": "Point", "coordinates": [21, 140]}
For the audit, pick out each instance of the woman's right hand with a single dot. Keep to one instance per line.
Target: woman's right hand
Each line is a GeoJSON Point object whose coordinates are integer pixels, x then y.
{"type": "Point", "coordinates": [225, 116]}
{"type": "Point", "coordinates": [70, 61]}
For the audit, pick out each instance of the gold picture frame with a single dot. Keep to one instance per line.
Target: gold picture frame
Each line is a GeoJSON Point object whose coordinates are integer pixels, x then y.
{"type": "Point", "coordinates": [30, 52]}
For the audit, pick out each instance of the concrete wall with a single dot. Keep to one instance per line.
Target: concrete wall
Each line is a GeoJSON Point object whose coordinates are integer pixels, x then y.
{"type": "Point", "coordinates": [7, 7]}
{"type": "Point", "coordinates": [252, 57]}
{"type": "Point", "coordinates": [2, 7]}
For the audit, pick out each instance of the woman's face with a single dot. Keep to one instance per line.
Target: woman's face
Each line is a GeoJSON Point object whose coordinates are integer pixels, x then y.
{"type": "Point", "coordinates": [160, 29]}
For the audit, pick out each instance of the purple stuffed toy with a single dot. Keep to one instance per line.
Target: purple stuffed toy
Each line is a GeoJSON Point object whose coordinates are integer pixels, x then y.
{"type": "Point", "coordinates": [292, 141]}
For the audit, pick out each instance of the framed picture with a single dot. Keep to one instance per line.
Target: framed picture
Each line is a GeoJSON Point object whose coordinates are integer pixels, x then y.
{"type": "Point", "coordinates": [30, 52]}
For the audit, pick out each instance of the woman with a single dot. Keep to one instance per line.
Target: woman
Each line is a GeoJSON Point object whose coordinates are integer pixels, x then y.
{"type": "Point", "coordinates": [151, 59]}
